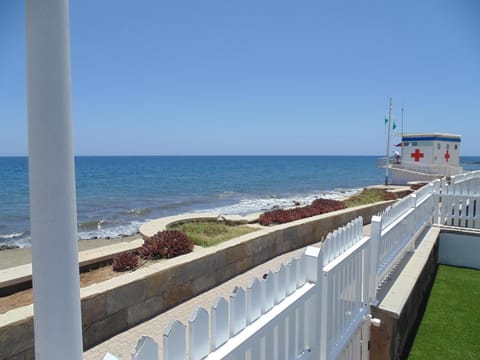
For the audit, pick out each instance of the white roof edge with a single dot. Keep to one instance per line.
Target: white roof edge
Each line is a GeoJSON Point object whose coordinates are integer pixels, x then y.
{"type": "Point", "coordinates": [431, 134]}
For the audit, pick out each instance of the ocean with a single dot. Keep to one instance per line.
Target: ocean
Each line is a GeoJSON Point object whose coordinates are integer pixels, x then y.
{"type": "Point", "coordinates": [115, 195]}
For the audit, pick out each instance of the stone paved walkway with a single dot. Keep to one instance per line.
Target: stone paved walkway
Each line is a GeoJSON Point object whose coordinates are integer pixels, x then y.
{"type": "Point", "coordinates": [122, 344]}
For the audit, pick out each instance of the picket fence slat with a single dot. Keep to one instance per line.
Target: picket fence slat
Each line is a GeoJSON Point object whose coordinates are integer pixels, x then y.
{"type": "Point", "coordinates": [219, 323]}
{"type": "Point", "coordinates": [291, 277]}
{"type": "Point", "coordinates": [238, 319]}
{"type": "Point", "coordinates": [280, 278]}
{"type": "Point", "coordinates": [300, 270]}
{"type": "Point", "coordinates": [268, 292]}
{"type": "Point", "coordinates": [146, 349]}
{"type": "Point", "coordinates": [174, 342]}
{"type": "Point", "coordinates": [269, 346]}
{"type": "Point", "coordinates": [198, 334]}
{"type": "Point", "coordinates": [281, 340]}
{"type": "Point", "coordinates": [254, 300]}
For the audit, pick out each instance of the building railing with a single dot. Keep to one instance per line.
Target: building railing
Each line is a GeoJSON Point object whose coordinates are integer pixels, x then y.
{"type": "Point", "coordinates": [318, 306]}
{"type": "Point", "coordinates": [429, 169]}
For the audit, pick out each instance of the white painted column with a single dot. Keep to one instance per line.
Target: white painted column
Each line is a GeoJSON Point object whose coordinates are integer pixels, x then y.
{"type": "Point", "coordinates": [56, 285]}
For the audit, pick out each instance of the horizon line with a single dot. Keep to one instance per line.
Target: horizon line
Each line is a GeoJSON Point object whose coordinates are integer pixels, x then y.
{"type": "Point", "coordinates": [202, 155]}
{"type": "Point", "coordinates": [213, 155]}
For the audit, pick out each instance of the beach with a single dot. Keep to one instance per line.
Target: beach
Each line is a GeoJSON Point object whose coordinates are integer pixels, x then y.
{"type": "Point", "coordinates": [22, 256]}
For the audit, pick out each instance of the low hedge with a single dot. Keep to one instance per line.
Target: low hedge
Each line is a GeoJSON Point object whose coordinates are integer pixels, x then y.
{"type": "Point", "coordinates": [163, 245]}
{"type": "Point", "coordinates": [317, 207]}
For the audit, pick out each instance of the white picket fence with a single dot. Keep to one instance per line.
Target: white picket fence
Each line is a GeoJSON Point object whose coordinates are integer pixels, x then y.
{"type": "Point", "coordinates": [395, 231]}
{"type": "Point", "coordinates": [317, 306]}
{"type": "Point", "coordinates": [459, 200]}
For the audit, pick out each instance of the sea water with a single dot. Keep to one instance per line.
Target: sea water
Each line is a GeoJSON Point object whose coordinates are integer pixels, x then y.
{"type": "Point", "coordinates": [115, 195]}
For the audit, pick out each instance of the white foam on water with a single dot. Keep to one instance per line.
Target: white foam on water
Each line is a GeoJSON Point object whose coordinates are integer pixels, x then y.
{"type": "Point", "coordinates": [111, 231]}
{"type": "Point", "coordinates": [11, 236]}
{"type": "Point", "coordinates": [20, 239]}
{"type": "Point", "coordinates": [23, 240]}
{"type": "Point", "coordinates": [104, 229]}
{"type": "Point", "coordinates": [248, 206]}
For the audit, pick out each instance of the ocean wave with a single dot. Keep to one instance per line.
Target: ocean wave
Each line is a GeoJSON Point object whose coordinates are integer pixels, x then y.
{"type": "Point", "coordinates": [228, 194]}
{"type": "Point", "coordinates": [248, 206]}
{"type": "Point", "coordinates": [93, 225]}
{"type": "Point", "coordinates": [139, 212]}
{"type": "Point", "coordinates": [11, 236]}
{"type": "Point", "coordinates": [111, 231]}
{"type": "Point", "coordinates": [21, 240]}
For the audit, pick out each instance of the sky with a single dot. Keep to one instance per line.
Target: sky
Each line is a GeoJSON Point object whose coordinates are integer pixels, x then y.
{"type": "Point", "coordinates": [255, 77]}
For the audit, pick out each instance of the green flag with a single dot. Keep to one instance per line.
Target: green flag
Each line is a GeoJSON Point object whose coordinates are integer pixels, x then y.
{"type": "Point", "coordinates": [394, 126]}
{"type": "Point", "coordinates": [386, 120]}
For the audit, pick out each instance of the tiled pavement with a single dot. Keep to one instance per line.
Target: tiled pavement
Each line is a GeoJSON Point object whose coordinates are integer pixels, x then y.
{"type": "Point", "coordinates": [122, 344]}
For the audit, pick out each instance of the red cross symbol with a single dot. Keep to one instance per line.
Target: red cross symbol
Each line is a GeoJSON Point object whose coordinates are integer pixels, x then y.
{"type": "Point", "coordinates": [447, 156]}
{"type": "Point", "coordinates": [417, 155]}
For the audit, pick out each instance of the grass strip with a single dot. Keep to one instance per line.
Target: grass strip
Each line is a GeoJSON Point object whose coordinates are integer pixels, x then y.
{"type": "Point", "coordinates": [369, 196]}
{"type": "Point", "coordinates": [208, 233]}
{"type": "Point", "coordinates": [450, 327]}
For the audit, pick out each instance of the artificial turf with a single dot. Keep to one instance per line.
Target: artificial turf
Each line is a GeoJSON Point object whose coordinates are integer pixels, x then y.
{"type": "Point", "coordinates": [450, 327]}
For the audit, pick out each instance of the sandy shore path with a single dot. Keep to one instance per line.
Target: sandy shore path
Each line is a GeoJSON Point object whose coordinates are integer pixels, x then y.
{"type": "Point", "coordinates": [21, 256]}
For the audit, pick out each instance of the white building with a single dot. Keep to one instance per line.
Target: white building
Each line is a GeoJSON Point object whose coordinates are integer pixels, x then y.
{"type": "Point", "coordinates": [426, 156]}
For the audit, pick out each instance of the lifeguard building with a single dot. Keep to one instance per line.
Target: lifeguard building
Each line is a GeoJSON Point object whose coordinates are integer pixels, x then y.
{"type": "Point", "coordinates": [426, 156]}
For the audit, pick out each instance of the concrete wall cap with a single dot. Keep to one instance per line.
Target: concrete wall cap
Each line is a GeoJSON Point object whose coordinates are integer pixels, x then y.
{"type": "Point", "coordinates": [396, 298]}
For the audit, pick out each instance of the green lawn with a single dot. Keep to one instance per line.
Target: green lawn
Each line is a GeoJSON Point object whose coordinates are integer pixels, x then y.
{"type": "Point", "coordinates": [208, 233]}
{"type": "Point", "coordinates": [450, 328]}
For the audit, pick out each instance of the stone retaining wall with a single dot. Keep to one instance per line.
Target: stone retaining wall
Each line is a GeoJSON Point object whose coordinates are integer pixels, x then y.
{"type": "Point", "coordinates": [120, 303]}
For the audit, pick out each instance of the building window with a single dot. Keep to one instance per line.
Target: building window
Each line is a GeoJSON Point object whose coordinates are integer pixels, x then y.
{"type": "Point", "coordinates": [439, 146]}
{"type": "Point", "coordinates": [456, 146]}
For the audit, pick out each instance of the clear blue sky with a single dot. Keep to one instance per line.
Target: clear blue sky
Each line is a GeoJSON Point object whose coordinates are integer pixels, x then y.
{"type": "Point", "coordinates": [255, 77]}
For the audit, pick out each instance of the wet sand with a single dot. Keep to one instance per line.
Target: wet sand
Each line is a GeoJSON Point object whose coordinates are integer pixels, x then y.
{"type": "Point", "coordinates": [21, 256]}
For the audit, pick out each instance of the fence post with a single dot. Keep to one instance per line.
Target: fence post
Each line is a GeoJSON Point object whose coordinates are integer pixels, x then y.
{"type": "Point", "coordinates": [314, 274]}
{"type": "Point", "coordinates": [324, 306]}
{"type": "Point", "coordinates": [375, 234]}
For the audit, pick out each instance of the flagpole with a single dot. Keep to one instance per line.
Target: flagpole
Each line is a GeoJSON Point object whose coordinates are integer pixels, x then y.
{"type": "Point", "coordinates": [402, 120]}
{"type": "Point", "coordinates": [387, 162]}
